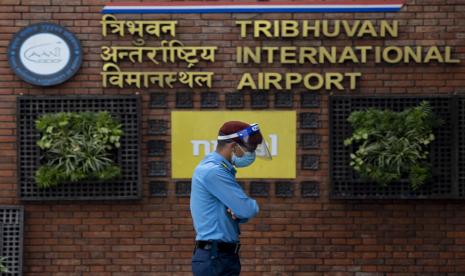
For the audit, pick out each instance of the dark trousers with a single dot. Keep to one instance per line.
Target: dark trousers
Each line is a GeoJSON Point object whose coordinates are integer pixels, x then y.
{"type": "Point", "coordinates": [224, 264]}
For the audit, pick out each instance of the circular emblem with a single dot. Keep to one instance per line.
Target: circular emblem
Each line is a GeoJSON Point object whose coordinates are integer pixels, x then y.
{"type": "Point", "coordinates": [45, 54]}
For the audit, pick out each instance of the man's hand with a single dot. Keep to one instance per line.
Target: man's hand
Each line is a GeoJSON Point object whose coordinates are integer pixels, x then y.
{"type": "Point", "coordinates": [231, 213]}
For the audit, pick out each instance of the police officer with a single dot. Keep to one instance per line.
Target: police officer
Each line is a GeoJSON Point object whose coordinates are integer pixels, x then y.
{"type": "Point", "coordinates": [218, 203]}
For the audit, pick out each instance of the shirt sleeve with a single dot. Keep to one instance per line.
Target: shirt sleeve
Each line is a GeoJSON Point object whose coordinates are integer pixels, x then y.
{"type": "Point", "coordinates": [224, 187]}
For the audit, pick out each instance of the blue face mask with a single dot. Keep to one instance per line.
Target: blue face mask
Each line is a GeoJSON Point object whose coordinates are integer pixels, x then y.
{"type": "Point", "coordinates": [243, 161]}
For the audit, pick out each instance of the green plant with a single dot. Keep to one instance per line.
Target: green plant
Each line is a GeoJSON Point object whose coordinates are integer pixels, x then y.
{"type": "Point", "coordinates": [77, 146]}
{"type": "Point", "coordinates": [3, 267]}
{"type": "Point", "coordinates": [391, 146]}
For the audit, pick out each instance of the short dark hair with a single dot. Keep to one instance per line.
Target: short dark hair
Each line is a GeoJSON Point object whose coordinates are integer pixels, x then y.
{"type": "Point", "coordinates": [222, 143]}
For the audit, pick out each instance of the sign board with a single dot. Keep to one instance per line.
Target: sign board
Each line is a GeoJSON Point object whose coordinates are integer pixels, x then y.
{"type": "Point", "coordinates": [45, 54]}
{"type": "Point", "coordinates": [194, 134]}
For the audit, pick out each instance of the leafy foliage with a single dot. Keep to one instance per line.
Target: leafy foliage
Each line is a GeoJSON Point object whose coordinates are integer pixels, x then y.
{"type": "Point", "coordinates": [391, 146]}
{"type": "Point", "coordinates": [77, 147]}
{"type": "Point", "coordinates": [3, 267]}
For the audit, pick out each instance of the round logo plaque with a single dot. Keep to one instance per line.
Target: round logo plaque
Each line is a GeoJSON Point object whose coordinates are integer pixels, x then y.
{"type": "Point", "coordinates": [45, 54]}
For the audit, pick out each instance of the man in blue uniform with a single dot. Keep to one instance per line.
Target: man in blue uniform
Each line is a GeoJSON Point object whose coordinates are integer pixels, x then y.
{"type": "Point", "coordinates": [218, 203]}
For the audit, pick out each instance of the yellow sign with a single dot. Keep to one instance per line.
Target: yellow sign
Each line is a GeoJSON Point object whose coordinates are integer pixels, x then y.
{"type": "Point", "coordinates": [194, 135]}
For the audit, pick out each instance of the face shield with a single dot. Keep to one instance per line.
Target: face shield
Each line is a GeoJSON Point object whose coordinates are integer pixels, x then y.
{"type": "Point", "coordinates": [245, 135]}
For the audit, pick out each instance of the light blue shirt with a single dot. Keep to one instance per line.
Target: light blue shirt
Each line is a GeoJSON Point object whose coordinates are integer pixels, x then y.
{"type": "Point", "coordinates": [214, 190]}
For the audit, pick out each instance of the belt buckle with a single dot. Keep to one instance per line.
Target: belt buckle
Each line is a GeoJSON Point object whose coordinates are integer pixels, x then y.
{"type": "Point", "coordinates": [236, 249]}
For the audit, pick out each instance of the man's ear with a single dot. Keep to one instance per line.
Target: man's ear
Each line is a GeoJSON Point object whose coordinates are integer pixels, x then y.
{"type": "Point", "coordinates": [232, 145]}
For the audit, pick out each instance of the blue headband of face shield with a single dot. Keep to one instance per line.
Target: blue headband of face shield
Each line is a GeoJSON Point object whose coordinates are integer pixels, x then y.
{"type": "Point", "coordinates": [244, 135]}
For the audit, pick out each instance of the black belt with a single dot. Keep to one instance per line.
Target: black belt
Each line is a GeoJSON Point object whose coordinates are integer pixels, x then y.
{"type": "Point", "coordinates": [226, 247]}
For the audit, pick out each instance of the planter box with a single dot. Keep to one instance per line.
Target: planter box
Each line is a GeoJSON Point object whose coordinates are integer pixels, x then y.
{"type": "Point", "coordinates": [125, 108]}
{"type": "Point", "coordinates": [12, 229]}
{"type": "Point", "coordinates": [345, 183]}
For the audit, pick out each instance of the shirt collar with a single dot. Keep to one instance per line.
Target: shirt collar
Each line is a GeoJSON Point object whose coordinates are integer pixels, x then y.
{"type": "Point", "coordinates": [225, 163]}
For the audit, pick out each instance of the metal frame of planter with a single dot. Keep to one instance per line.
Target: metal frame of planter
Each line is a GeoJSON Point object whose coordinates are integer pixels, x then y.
{"type": "Point", "coordinates": [126, 108]}
{"type": "Point", "coordinates": [346, 184]}
{"type": "Point", "coordinates": [12, 232]}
